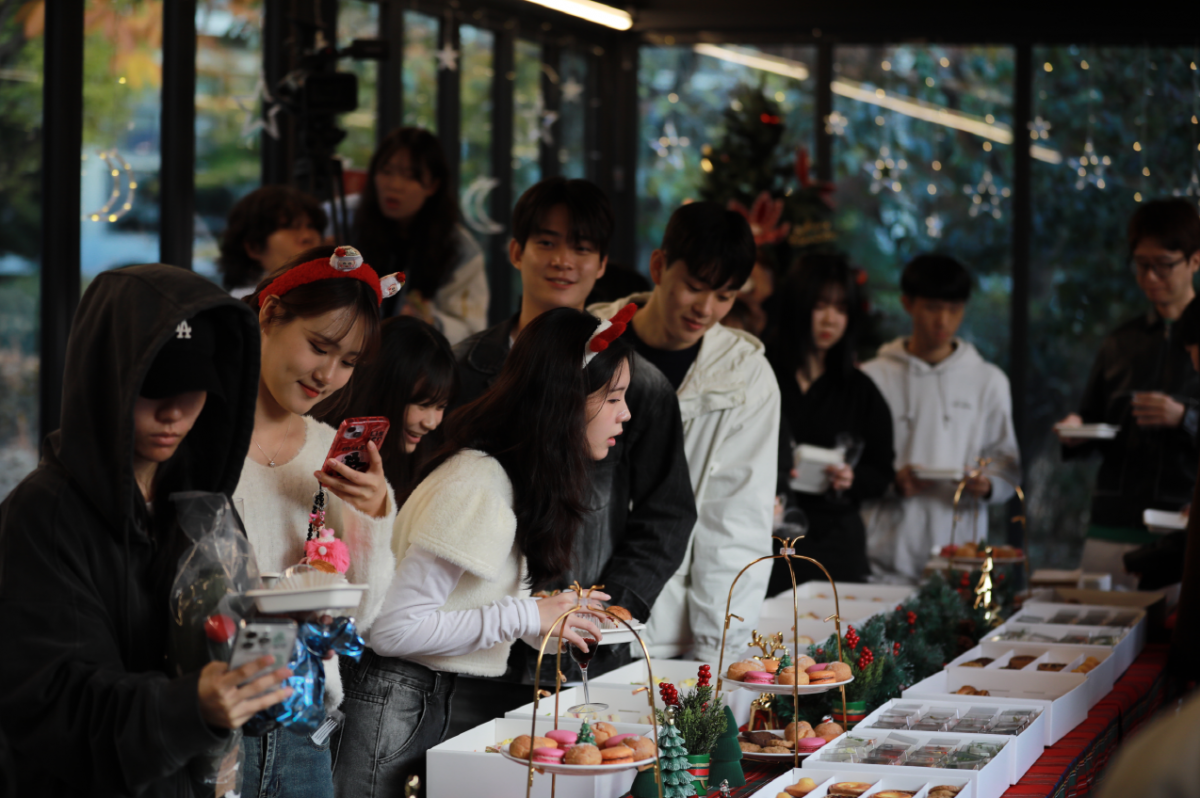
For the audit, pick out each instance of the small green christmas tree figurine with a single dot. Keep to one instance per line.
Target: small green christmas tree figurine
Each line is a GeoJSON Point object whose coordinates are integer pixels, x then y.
{"type": "Point", "coordinates": [672, 757]}
{"type": "Point", "coordinates": [585, 735]}
{"type": "Point", "coordinates": [726, 759]}
{"type": "Point", "coordinates": [784, 662]}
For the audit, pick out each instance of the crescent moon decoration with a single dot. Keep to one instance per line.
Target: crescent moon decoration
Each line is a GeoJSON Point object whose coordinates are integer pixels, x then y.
{"type": "Point", "coordinates": [106, 213]}
{"type": "Point", "coordinates": [474, 208]}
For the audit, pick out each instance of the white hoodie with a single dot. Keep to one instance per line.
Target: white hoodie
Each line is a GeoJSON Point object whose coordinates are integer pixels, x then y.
{"type": "Point", "coordinates": [944, 416]}
{"type": "Point", "coordinates": [730, 404]}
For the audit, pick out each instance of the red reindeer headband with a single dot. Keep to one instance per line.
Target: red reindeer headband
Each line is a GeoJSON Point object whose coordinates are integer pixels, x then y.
{"type": "Point", "coordinates": [608, 331]}
{"type": "Point", "coordinates": [344, 262]}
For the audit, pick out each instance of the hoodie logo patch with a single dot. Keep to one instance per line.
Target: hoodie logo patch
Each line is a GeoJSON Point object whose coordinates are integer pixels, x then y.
{"type": "Point", "coordinates": [183, 331]}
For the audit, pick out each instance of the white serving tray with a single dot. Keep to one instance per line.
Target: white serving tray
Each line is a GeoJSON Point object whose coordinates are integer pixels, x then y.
{"type": "Point", "coordinates": [990, 782]}
{"type": "Point", "coordinates": [462, 766]}
{"type": "Point", "coordinates": [1064, 708]}
{"type": "Point", "coordinates": [1084, 432]}
{"type": "Point", "coordinates": [826, 775]}
{"type": "Point", "coordinates": [786, 689]}
{"type": "Point", "coordinates": [1127, 649]}
{"type": "Point", "coordinates": [938, 474]}
{"type": "Point", "coordinates": [576, 770]}
{"type": "Point", "coordinates": [1163, 522]}
{"type": "Point", "coordinates": [1099, 680]}
{"type": "Point", "coordinates": [1029, 745]}
{"type": "Point", "coordinates": [681, 673]}
{"type": "Point", "coordinates": [307, 599]}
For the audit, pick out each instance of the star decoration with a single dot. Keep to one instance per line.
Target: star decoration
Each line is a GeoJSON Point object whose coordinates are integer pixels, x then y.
{"type": "Point", "coordinates": [447, 58]}
{"type": "Point", "coordinates": [545, 133]}
{"type": "Point", "coordinates": [253, 121]}
{"type": "Point", "coordinates": [835, 124]}
{"type": "Point", "coordinates": [572, 90]}
{"type": "Point", "coordinates": [934, 225]}
{"type": "Point", "coordinates": [1039, 128]}
{"type": "Point", "coordinates": [669, 145]}
{"type": "Point", "coordinates": [985, 196]}
{"type": "Point", "coordinates": [1089, 167]}
{"type": "Point", "coordinates": [885, 171]}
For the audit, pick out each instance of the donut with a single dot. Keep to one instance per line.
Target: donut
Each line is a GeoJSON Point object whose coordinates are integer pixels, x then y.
{"type": "Point", "coordinates": [822, 677]}
{"type": "Point", "coordinates": [549, 756]}
{"type": "Point", "coordinates": [563, 738]}
{"type": "Point", "coordinates": [582, 755]}
{"type": "Point", "coordinates": [616, 755]}
{"type": "Point", "coordinates": [617, 739]}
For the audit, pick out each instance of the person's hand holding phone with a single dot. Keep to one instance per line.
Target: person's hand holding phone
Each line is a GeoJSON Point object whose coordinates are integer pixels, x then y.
{"type": "Point", "coordinates": [226, 705]}
{"type": "Point", "coordinates": [366, 490]}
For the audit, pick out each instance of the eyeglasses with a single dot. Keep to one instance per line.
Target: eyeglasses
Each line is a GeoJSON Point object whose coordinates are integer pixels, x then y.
{"type": "Point", "coordinates": [1161, 270]}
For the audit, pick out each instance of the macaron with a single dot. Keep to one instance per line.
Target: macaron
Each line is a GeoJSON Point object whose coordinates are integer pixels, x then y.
{"type": "Point", "coordinates": [821, 677]}
{"type": "Point", "coordinates": [549, 756]}
{"type": "Point", "coordinates": [617, 755]}
{"type": "Point", "coordinates": [758, 677]}
{"type": "Point", "coordinates": [819, 666]}
{"type": "Point", "coordinates": [564, 738]}
{"type": "Point", "coordinates": [617, 739]}
{"type": "Point", "coordinates": [809, 744]}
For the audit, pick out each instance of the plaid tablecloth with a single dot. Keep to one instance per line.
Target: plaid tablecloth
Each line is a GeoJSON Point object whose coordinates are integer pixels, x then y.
{"type": "Point", "coordinates": [1070, 767]}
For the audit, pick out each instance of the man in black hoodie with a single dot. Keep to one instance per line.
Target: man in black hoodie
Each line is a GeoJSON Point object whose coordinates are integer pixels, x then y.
{"type": "Point", "coordinates": [89, 547]}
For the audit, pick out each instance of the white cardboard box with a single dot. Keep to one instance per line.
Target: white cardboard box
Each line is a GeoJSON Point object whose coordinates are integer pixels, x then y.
{"type": "Point", "coordinates": [678, 672]}
{"type": "Point", "coordinates": [1123, 652]}
{"type": "Point", "coordinates": [1099, 680]}
{"type": "Point", "coordinates": [1066, 705]}
{"type": "Point", "coordinates": [623, 705]}
{"type": "Point", "coordinates": [826, 776]}
{"type": "Point", "coordinates": [777, 614]}
{"type": "Point", "coordinates": [1030, 744]}
{"type": "Point", "coordinates": [887, 595]}
{"type": "Point", "coordinates": [461, 766]}
{"type": "Point", "coordinates": [990, 782]}
{"type": "Point", "coordinates": [1130, 646]}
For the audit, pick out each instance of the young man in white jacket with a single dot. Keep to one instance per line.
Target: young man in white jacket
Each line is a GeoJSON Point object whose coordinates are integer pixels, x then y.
{"type": "Point", "coordinates": [729, 402]}
{"type": "Point", "coordinates": [950, 408]}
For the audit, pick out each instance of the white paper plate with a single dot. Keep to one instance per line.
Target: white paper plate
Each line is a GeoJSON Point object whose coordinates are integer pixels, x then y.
{"type": "Point", "coordinates": [308, 599]}
{"type": "Point", "coordinates": [786, 689]}
{"type": "Point", "coordinates": [576, 770]}
{"type": "Point", "coordinates": [623, 635]}
{"type": "Point", "coordinates": [1083, 432]}
{"type": "Point", "coordinates": [939, 474]}
{"type": "Point", "coordinates": [1163, 521]}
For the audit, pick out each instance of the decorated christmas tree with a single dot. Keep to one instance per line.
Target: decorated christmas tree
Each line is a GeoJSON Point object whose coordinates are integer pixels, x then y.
{"type": "Point", "coordinates": [726, 759]}
{"type": "Point", "coordinates": [677, 782]}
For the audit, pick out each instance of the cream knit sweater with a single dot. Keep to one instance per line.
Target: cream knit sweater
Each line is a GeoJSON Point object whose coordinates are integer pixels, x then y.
{"type": "Point", "coordinates": [276, 505]}
{"type": "Point", "coordinates": [462, 513]}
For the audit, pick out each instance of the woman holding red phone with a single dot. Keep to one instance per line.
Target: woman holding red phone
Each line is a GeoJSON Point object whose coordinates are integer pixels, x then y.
{"type": "Point", "coordinates": [319, 318]}
{"type": "Point", "coordinates": [495, 515]}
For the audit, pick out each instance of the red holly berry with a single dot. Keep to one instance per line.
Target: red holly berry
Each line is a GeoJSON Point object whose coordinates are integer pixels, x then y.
{"type": "Point", "coordinates": [670, 695]}
{"type": "Point", "coordinates": [896, 648]}
{"type": "Point", "coordinates": [912, 618]}
{"type": "Point", "coordinates": [899, 608]}
{"type": "Point", "coordinates": [705, 674]}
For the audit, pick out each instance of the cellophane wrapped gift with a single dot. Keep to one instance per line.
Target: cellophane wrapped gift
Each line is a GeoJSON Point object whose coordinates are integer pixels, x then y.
{"type": "Point", "coordinates": [208, 598]}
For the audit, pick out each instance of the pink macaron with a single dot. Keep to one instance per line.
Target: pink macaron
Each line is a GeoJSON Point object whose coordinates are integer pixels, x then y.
{"type": "Point", "coordinates": [617, 739]}
{"type": "Point", "coordinates": [564, 737]}
{"type": "Point", "coordinates": [758, 677]}
{"type": "Point", "coordinates": [820, 666]}
{"type": "Point", "coordinates": [809, 744]}
{"type": "Point", "coordinates": [550, 756]}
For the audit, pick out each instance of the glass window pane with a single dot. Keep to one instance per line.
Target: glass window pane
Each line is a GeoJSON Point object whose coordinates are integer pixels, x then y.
{"type": "Point", "coordinates": [122, 83]}
{"type": "Point", "coordinates": [358, 19]}
{"type": "Point", "coordinates": [420, 70]}
{"type": "Point", "coordinates": [907, 185]}
{"type": "Point", "coordinates": [476, 106]}
{"type": "Point", "coordinates": [1134, 107]}
{"type": "Point", "coordinates": [20, 249]}
{"type": "Point", "coordinates": [572, 117]}
{"type": "Point", "coordinates": [527, 116]}
{"type": "Point", "coordinates": [684, 93]}
{"type": "Point", "coordinates": [229, 123]}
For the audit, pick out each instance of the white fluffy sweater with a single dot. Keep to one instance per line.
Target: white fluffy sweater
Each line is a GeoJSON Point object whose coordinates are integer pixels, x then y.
{"type": "Point", "coordinates": [276, 505]}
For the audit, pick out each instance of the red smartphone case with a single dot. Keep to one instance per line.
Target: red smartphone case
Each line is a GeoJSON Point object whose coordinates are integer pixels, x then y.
{"type": "Point", "coordinates": [350, 443]}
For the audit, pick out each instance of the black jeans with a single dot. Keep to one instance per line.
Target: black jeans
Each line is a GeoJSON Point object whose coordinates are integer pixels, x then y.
{"type": "Point", "coordinates": [396, 710]}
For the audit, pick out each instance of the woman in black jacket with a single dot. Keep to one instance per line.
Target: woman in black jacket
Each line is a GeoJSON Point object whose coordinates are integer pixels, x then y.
{"type": "Point", "coordinates": [825, 396]}
{"type": "Point", "coordinates": [160, 384]}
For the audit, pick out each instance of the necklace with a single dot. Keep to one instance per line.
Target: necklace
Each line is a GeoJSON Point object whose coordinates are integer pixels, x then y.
{"type": "Point", "coordinates": [271, 458]}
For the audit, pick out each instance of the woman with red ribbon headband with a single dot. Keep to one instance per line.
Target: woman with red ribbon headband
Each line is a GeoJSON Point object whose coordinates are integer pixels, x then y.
{"type": "Point", "coordinates": [319, 318]}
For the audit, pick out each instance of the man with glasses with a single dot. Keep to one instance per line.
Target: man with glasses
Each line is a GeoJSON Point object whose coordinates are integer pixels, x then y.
{"type": "Point", "coordinates": [1143, 381]}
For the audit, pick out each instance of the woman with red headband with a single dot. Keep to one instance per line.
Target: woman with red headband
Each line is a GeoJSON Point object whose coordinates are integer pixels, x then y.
{"type": "Point", "coordinates": [494, 516]}
{"type": "Point", "coordinates": [319, 317]}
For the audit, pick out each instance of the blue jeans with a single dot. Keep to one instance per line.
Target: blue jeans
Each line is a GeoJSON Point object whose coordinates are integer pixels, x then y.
{"type": "Point", "coordinates": [395, 711]}
{"type": "Point", "coordinates": [283, 764]}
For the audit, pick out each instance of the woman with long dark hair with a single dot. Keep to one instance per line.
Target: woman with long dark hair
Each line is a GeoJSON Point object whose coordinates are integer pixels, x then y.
{"type": "Point", "coordinates": [410, 381]}
{"type": "Point", "coordinates": [407, 220]}
{"type": "Point", "coordinates": [495, 515]}
{"type": "Point", "coordinates": [825, 397]}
